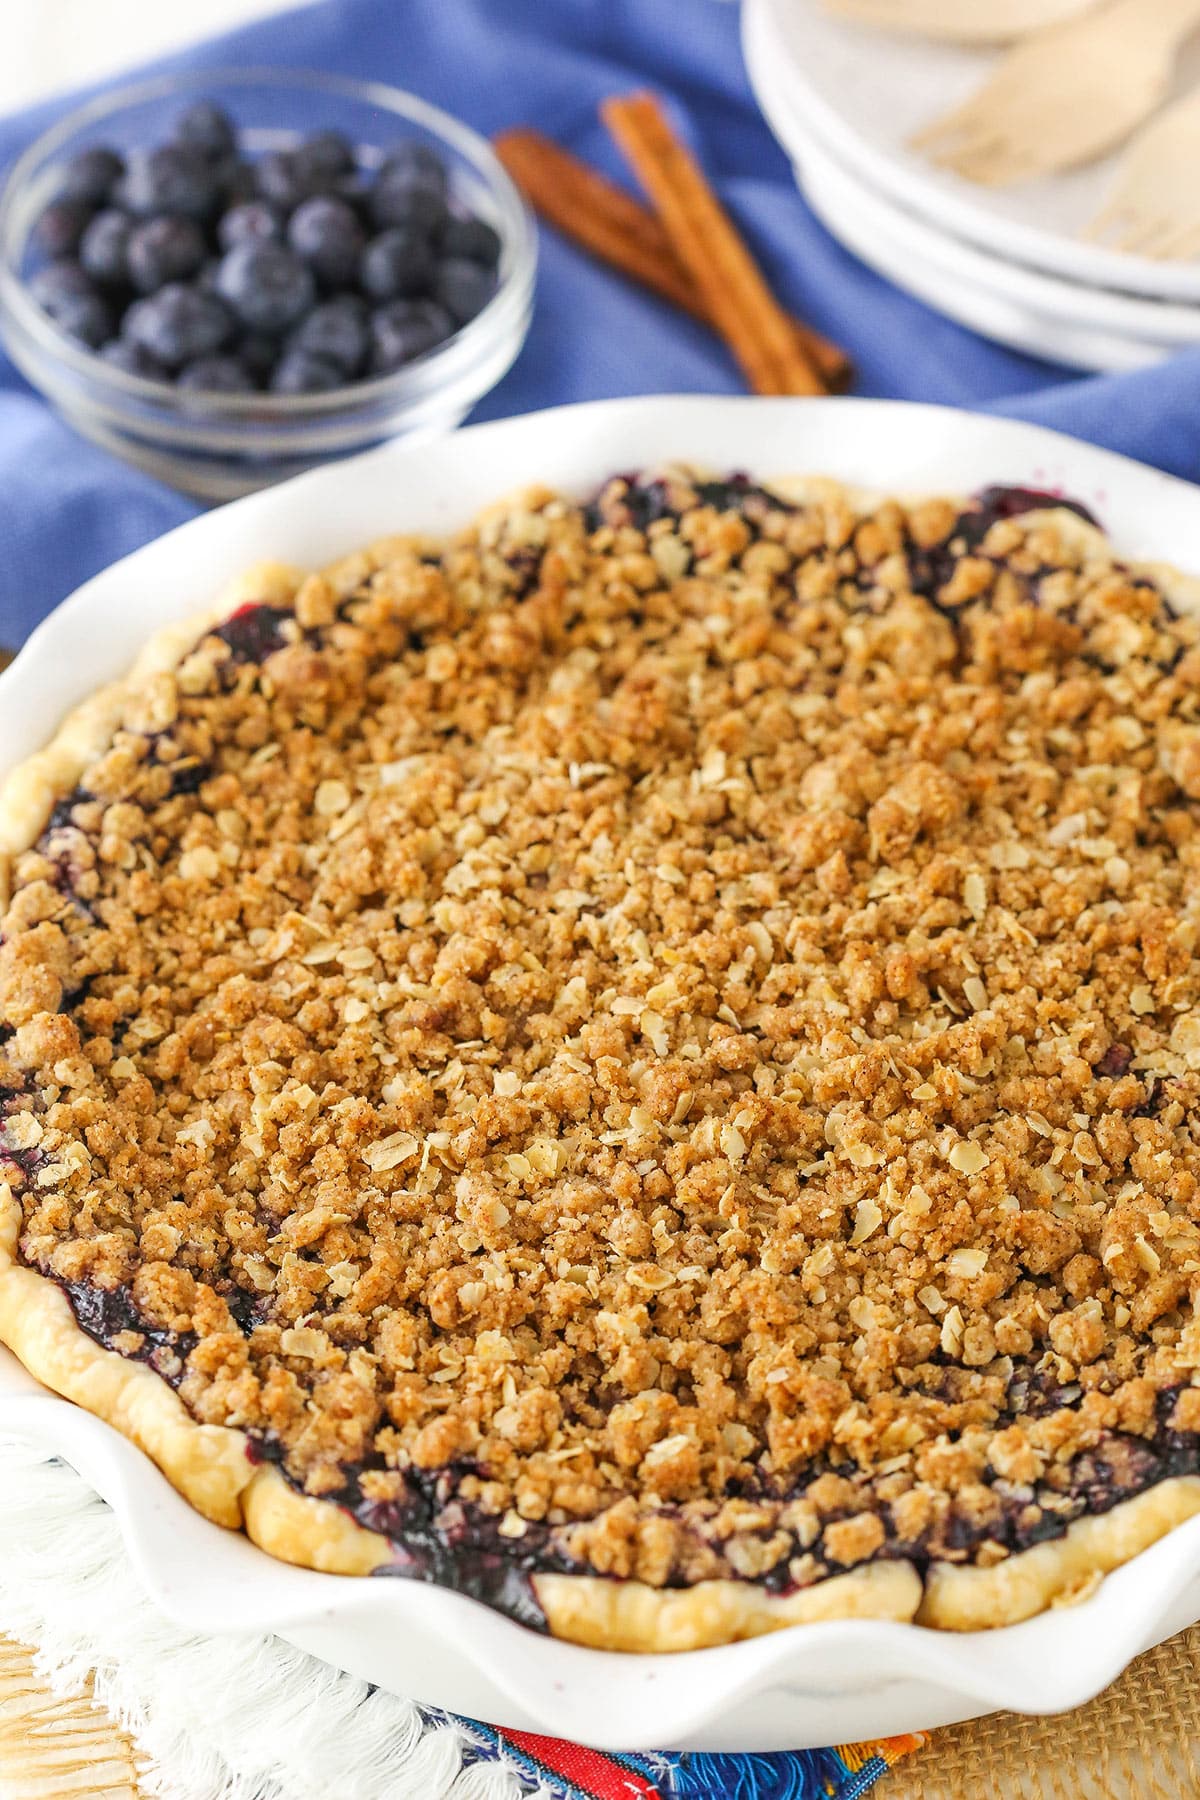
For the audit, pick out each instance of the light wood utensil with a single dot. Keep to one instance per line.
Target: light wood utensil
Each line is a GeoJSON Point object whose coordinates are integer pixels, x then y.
{"type": "Point", "coordinates": [1065, 96]}
{"type": "Point", "coordinates": [960, 21]}
{"type": "Point", "coordinates": [1154, 207]}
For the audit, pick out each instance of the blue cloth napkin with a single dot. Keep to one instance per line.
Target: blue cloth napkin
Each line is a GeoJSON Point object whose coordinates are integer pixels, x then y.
{"type": "Point", "coordinates": [67, 509]}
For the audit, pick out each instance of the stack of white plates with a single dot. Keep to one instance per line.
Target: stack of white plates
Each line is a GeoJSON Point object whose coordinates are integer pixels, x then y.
{"type": "Point", "coordinates": [844, 101]}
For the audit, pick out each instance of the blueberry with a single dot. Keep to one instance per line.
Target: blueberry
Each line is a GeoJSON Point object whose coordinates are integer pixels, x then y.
{"type": "Point", "coordinates": [253, 221]}
{"type": "Point", "coordinates": [417, 161]}
{"type": "Point", "coordinates": [61, 225]}
{"type": "Point", "coordinates": [86, 317]}
{"type": "Point", "coordinates": [280, 179]}
{"type": "Point", "coordinates": [300, 372]}
{"type": "Point", "coordinates": [237, 181]}
{"type": "Point", "coordinates": [404, 197]}
{"type": "Point", "coordinates": [404, 330]}
{"type": "Point", "coordinates": [132, 359]}
{"type": "Point", "coordinates": [59, 281]}
{"type": "Point", "coordinates": [266, 285]}
{"type": "Point", "coordinates": [177, 324]}
{"type": "Point", "coordinates": [162, 250]}
{"type": "Point", "coordinates": [464, 288]}
{"type": "Point", "coordinates": [104, 246]}
{"type": "Point", "coordinates": [326, 233]}
{"type": "Point", "coordinates": [336, 332]}
{"type": "Point", "coordinates": [472, 238]}
{"type": "Point", "coordinates": [215, 375]}
{"type": "Point", "coordinates": [171, 179]}
{"type": "Point", "coordinates": [206, 128]}
{"type": "Point", "coordinates": [323, 157]}
{"type": "Point", "coordinates": [397, 264]}
{"type": "Point", "coordinates": [63, 290]}
{"type": "Point", "coordinates": [258, 354]}
{"type": "Point", "coordinates": [355, 190]}
{"type": "Point", "coordinates": [90, 176]}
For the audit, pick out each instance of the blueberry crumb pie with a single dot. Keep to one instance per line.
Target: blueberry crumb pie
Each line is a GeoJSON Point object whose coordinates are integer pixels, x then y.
{"type": "Point", "coordinates": [639, 1063]}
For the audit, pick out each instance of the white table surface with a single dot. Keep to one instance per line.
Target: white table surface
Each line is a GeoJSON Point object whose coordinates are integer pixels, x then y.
{"type": "Point", "coordinates": [51, 45]}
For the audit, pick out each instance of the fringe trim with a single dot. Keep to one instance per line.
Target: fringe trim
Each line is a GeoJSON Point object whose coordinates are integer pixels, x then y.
{"type": "Point", "coordinates": [240, 1718]}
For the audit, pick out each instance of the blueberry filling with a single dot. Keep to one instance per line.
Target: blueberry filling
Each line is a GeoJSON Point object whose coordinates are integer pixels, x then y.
{"type": "Point", "coordinates": [627, 500]}
{"type": "Point", "coordinates": [438, 1537]}
{"type": "Point", "coordinates": [631, 500]}
{"type": "Point", "coordinates": [642, 503]}
{"type": "Point", "coordinates": [63, 813]}
{"type": "Point", "coordinates": [253, 632]}
{"type": "Point", "coordinates": [995, 503]}
{"type": "Point", "coordinates": [28, 1160]}
{"type": "Point", "coordinates": [733, 494]}
{"type": "Point", "coordinates": [931, 569]}
{"type": "Point", "coordinates": [1156, 1098]}
{"type": "Point", "coordinates": [59, 844]}
{"type": "Point", "coordinates": [526, 565]}
{"type": "Point", "coordinates": [189, 778]}
{"type": "Point", "coordinates": [106, 1314]}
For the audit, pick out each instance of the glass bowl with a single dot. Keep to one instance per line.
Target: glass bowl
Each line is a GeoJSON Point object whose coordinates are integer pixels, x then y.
{"type": "Point", "coordinates": [217, 446]}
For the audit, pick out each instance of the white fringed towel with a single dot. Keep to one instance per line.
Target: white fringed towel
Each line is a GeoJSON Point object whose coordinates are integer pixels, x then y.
{"type": "Point", "coordinates": [229, 1718]}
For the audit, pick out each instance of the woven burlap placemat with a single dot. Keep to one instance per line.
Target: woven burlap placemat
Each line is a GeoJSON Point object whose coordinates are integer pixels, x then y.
{"type": "Point", "coordinates": [54, 1749]}
{"type": "Point", "coordinates": [1138, 1741]}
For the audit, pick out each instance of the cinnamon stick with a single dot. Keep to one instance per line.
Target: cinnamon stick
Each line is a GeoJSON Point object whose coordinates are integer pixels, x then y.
{"type": "Point", "coordinates": [597, 214]}
{"type": "Point", "coordinates": [586, 206]}
{"type": "Point", "coordinates": [704, 238]}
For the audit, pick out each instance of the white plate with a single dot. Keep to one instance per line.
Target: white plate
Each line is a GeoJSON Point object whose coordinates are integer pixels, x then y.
{"type": "Point", "coordinates": [811, 1684]}
{"type": "Point", "coordinates": [865, 92]}
{"type": "Point", "coordinates": [976, 304]}
{"type": "Point", "coordinates": [1087, 327]}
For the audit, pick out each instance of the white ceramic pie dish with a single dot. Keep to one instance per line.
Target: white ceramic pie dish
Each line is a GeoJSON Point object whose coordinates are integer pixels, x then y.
{"type": "Point", "coordinates": [805, 1685]}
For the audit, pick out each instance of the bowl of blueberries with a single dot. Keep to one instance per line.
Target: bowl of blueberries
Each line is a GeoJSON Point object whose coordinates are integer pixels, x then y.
{"type": "Point", "coordinates": [228, 278]}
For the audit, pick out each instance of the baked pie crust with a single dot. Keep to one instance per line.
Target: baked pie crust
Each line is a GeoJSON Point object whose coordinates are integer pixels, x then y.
{"type": "Point", "coordinates": [638, 1063]}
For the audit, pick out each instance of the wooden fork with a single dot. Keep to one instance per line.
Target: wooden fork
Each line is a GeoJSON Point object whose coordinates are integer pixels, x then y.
{"type": "Point", "coordinates": [1066, 95]}
{"type": "Point", "coordinates": [960, 21]}
{"type": "Point", "coordinates": [1154, 207]}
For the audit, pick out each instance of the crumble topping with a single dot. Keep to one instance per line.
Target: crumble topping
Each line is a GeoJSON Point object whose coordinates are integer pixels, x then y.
{"type": "Point", "coordinates": [658, 1038]}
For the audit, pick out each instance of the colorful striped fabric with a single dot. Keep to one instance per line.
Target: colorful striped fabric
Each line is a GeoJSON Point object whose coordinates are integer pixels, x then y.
{"type": "Point", "coordinates": [565, 1771]}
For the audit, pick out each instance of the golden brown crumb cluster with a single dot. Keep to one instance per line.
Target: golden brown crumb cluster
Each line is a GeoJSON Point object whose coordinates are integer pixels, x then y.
{"type": "Point", "coordinates": [645, 1014]}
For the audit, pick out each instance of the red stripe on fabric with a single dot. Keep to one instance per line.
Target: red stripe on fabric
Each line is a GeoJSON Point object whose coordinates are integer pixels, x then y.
{"type": "Point", "coordinates": [590, 1770]}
